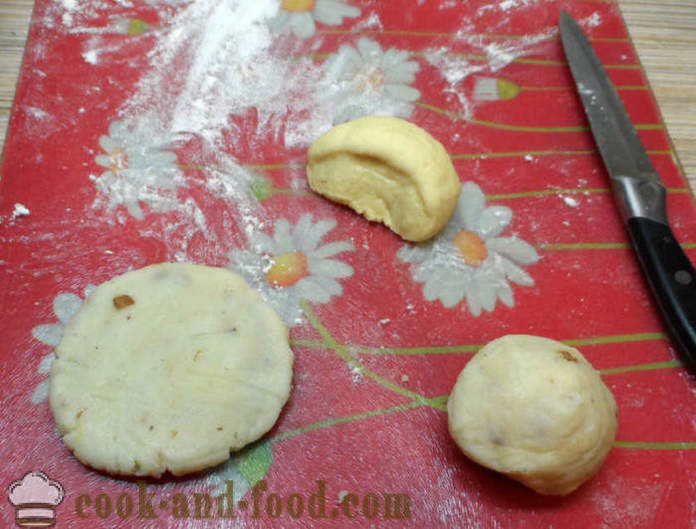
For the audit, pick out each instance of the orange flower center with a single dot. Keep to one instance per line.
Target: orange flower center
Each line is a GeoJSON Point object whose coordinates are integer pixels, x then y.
{"type": "Point", "coordinates": [287, 269]}
{"type": "Point", "coordinates": [471, 247]}
{"type": "Point", "coordinates": [119, 160]}
{"type": "Point", "coordinates": [297, 5]}
{"type": "Point", "coordinates": [371, 80]}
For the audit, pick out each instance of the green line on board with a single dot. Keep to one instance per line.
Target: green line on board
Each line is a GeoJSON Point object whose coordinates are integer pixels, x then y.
{"type": "Point", "coordinates": [584, 246]}
{"type": "Point", "coordinates": [640, 445]}
{"type": "Point", "coordinates": [445, 349]}
{"type": "Point", "coordinates": [325, 423]}
{"type": "Point", "coordinates": [339, 349]}
{"type": "Point", "coordinates": [519, 154]}
{"type": "Point", "coordinates": [271, 166]}
{"type": "Point", "coordinates": [472, 348]}
{"type": "Point", "coordinates": [307, 343]}
{"type": "Point", "coordinates": [522, 128]}
{"type": "Point", "coordinates": [669, 364]}
{"type": "Point", "coordinates": [597, 246]}
{"type": "Point", "coordinates": [546, 192]}
{"type": "Point", "coordinates": [528, 60]}
{"type": "Point", "coordinates": [616, 338]}
{"type": "Point", "coordinates": [569, 88]}
{"type": "Point", "coordinates": [526, 128]}
{"type": "Point", "coordinates": [492, 36]}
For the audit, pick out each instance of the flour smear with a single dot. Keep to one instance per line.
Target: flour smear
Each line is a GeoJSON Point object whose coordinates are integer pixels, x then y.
{"type": "Point", "coordinates": [220, 84]}
{"type": "Point", "coordinates": [220, 59]}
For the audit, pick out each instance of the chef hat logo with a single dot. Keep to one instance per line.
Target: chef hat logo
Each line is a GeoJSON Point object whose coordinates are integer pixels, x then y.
{"type": "Point", "coordinates": [35, 498]}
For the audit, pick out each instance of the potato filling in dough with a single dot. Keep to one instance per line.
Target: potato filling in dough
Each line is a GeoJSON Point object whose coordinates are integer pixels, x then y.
{"type": "Point", "coordinates": [535, 410]}
{"type": "Point", "coordinates": [169, 368]}
{"type": "Point", "coordinates": [388, 170]}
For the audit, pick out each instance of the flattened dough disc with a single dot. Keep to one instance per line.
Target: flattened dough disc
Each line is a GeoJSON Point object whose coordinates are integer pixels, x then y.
{"type": "Point", "coordinates": [169, 368]}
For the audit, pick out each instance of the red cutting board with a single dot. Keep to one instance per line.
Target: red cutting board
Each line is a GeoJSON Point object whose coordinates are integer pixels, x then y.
{"type": "Point", "coordinates": [167, 131]}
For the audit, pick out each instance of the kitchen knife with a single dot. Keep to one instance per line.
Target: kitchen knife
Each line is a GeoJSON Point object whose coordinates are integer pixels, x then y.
{"type": "Point", "coordinates": [639, 191]}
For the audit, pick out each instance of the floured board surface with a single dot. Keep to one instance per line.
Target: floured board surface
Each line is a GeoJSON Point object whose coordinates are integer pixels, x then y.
{"type": "Point", "coordinates": [167, 131]}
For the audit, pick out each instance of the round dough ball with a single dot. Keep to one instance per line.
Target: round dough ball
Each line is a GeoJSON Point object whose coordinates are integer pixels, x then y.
{"type": "Point", "coordinates": [169, 368]}
{"type": "Point", "coordinates": [388, 170]}
{"type": "Point", "coordinates": [535, 410]}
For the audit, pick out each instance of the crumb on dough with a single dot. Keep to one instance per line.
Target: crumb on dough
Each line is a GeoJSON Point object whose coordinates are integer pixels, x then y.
{"type": "Point", "coordinates": [121, 302]}
{"type": "Point", "coordinates": [567, 356]}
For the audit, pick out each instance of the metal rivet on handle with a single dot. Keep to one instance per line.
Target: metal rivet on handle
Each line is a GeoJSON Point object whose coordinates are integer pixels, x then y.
{"type": "Point", "coordinates": [683, 277]}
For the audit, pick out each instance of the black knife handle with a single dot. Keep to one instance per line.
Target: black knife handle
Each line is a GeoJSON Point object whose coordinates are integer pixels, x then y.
{"type": "Point", "coordinates": [672, 279]}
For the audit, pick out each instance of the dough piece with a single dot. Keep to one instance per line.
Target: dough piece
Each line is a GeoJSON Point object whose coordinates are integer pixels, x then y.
{"type": "Point", "coordinates": [168, 368]}
{"type": "Point", "coordinates": [535, 410]}
{"type": "Point", "coordinates": [388, 170]}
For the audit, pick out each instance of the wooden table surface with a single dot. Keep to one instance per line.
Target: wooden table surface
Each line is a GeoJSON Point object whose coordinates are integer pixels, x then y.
{"type": "Point", "coordinates": [664, 33]}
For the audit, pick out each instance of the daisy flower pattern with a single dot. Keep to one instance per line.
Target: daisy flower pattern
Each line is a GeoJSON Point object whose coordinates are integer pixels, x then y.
{"type": "Point", "coordinates": [301, 16]}
{"type": "Point", "coordinates": [64, 307]}
{"type": "Point", "coordinates": [364, 80]}
{"type": "Point", "coordinates": [293, 265]}
{"type": "Point", "coordinates": [138, 168]}
{"type": "Point", "coordinates": [469, 259]}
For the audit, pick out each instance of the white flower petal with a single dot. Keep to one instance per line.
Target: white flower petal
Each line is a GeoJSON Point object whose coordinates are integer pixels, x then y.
{"type": "Point", "coordinates": [290, 311]}
{"type": "Point", "coordinates": [302, 25]}
{"type": "Point", "coordinates": [370, 50]}
{"type": "Point", "coordinates": [41, 392]}
{"type": "Point", "coordinates": [316, 234]}
{"type": "Point", "coordinates": [118, 129]}
{"type": "Point", "coordinates": [400, 60]}
{"type": "Point", "coordinates": [301, 231]}
{"type": "Point", "coordinates": [311, 291]}
{"type": "Point", "coordinates": [106, 180]}
{"type": "Point", "coordinates": [505, 295]}
{"type": "Point", "coordinates": [515, 249]}
{"type": "Point", "coordinates": [515, 274]}
{"type": "Point", "coordinates": [473, 301]}
{"type": "Point", "coordinates": [331, 249]}
{"type": "Point", "coordinates": [329, 268]}
{"type": "Point", "coordinates": [262, 243]}
{"type": "Point", "coordinates": [332, 12]}
{"type": "Point", "coordinates": [282, 237]}
{"type": "Point", "coordinates": [50, 333]}
{"type": "Point", "coordinates": [46, 363]}
{"type": "Point", "coordinates": [103, 160]}
{"type": "Point", "coordinates": [471, 204]}
{"type": "Point", "coordinates": [402, 92]}
{"type": "Point", "coordinates": [65, 306]}
{"type": "Point", "coordinates": [342, 65]}
{"type": "Point", "coordinates": [109, 145]}
{"type": "Point", "coordinates": [281, 22]}
{"type": "Point", "coordinates": [413, 253]}
{"type": "Point", "coordinates": [404, 74]}
{"type": "Point", "coordinates": [487, 296]}
{"type": "Point", "coordinates": [134, 209]}
{"type": "Point", "coordinates": [433, 290]}
{"type": "Point", "coordinates": [332, 286]}
{"type": "Point", "coordinates": [492, 221]}
{"type": "Point", "coordinates": [452, 294]}
{"type": "Point", "coordinates": [284, 300]}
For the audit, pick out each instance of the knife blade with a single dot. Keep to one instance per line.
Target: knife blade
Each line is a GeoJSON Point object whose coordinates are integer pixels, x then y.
{"type": "Point", "coordinates": [638, 188]}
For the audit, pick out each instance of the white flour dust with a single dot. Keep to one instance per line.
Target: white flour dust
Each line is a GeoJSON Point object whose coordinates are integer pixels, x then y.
{"type": "Point", "coordinates": [220, 81]}
{"type": "Point", "coordinates": [506, 5]}
{"type": "Point", "coordinates": [230, 64]}
{"type": "Point", "coordinates": [455, 69]}
{"type": "Point", "coordinates": [495, 54]}
{"type": "Point", "coordinates": [20, 210]}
